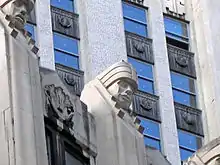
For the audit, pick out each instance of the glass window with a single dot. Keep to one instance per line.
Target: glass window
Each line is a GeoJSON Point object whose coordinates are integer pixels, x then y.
{"type": "Point", "coordinates": [134, 13]}
{"type": "Point", "coordinates": [188, 144]}
{"type": "Point", "coordinates": [66, 59]}
{"type": "Point", "coordinates": [71, 160]}
{"type": "Point", "coordinates": [63, 4]}
{"type": "Point", "coordinates": [135, 19]}
{"type": "Point", "coordinates": [183, 89]}
{"type": "Point", "coordinates": [176, 29]}
{"type": "Point", "coordinates": [30, 28]}
{"type": "Point", "coordinates": [145, 75]}
{"type": "Point", "coordinates": [152, 143]}
{"type": "Point", "coordinates": [65, 43]}
{"type": "Point", "coordinates": [151, 133]}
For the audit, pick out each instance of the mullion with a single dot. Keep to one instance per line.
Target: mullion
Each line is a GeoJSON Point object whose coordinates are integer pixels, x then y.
{"type": "Point", "coordinates": [136, 21]}
{"type": "Point", "coordinates": [184, 91]}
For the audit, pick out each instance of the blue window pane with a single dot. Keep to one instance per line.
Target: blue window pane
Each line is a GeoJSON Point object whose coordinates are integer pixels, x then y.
{"type": "Point", "coordinates": [134, 13]}
{"type": "Point", "coordinates": [174, 27]}
{"type": "Point", "coordinates": [182, 82]}
{"type": "Point", "coordinates": [185, 154]}
{"type": "Point", "coordinates": [184, 98]}
{"type": "Point", "coordinates": [152, 143]}
{"type": "Point", "coordinates": [63, 4]}
{"type": "Point", "coordinates": [30, 28]}
{"type": "Point", "coordinates": [150, 128]}
{"type": "Point", "coordinates": [66, 59]}
{"type": "Point", "coordinates": [65, 43]}
{"type": "Point", "coordinates": [135, 27]}
{"type": "Point", "coordinates": [187, 140]}
{"type": "Point", "coordinates": [142, 69]}
{"type": "Point", "coordinates": [145, 85]}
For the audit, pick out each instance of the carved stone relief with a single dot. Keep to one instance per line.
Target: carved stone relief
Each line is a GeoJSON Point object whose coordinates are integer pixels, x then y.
{"type": "Point", "coordinates": [139, 47]}
{"type": "Point", "coordinates": [65, 22]}
{"type": "Point", "coordinates": [145, 104]}
{"type": "Point", "coordinates": [181, 61]}
{"type": "Point", "coordinates": [59, 105]}
{"type": "Point", "coordinates": [175, 7]}
{"type": "Point", "coordinates": [189, 119]}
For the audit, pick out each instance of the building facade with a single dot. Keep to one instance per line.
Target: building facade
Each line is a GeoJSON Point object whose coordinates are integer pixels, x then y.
{"type": "Point", "coordinates": [173, 46]}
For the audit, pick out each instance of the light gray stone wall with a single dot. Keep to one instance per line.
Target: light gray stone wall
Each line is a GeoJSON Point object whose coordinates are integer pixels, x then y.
{"type": "Point", "coordinates": [169, 136]}
{"type": "Point", "coordinates": [102, 34]}
{"type": "Point", "coordinates": [205, 39]}
{"type": "Point", "coordinates": [44, 34]}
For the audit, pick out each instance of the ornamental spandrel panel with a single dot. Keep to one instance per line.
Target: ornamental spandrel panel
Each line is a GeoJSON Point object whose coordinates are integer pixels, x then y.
{"type": "Point", "coordinates": [181, 61]}
{"type": "Point", "coordinates": [139, 47]}
{"type": "Point", "coordinates": [146, 105]}
{"type": "Point", "coordinates": [65, 22]}
{"type": "Point", "coordinates": [72, 78]}
{"type": "Point", "coordinates": [189, 119]}
{"type": "Point", "coordinates": [175, 7]}
{"type": "Point", "coordinates": [32, 17]}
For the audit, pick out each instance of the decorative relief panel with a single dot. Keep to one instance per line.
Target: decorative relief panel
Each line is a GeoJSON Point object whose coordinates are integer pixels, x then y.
{"type": "Point", "coordinates": [139, 47]}
{"type": "Point", "coordinates": [189, 119]}
{"type": "Point", "coordinates": [58, 105]}
{"type": "Point", "coordinates": [65, 22]}
{"type": "Point", "coordinates": [181, 61]}
{"type": "Point", "coordinates": [175, 7]}
{"type": "Point", "coordinates": [72, 78]}
{"type": "Point", "coordinates": [146, 105]}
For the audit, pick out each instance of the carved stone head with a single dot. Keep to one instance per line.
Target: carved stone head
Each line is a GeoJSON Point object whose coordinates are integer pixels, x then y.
{"type": "Point", "coordinates": [18, 10]}
{"type": "Point", "coordinates": [121, 82]}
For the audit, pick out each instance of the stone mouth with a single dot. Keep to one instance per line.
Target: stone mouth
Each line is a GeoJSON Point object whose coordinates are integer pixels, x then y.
{"type": "Point", "coordinates": [20, 18]}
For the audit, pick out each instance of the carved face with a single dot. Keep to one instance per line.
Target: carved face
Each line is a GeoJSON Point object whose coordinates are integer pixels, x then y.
{"type": "Point", "coordinates": [122, 93]}
{"type": "Point", "coordinates": [18, 10]}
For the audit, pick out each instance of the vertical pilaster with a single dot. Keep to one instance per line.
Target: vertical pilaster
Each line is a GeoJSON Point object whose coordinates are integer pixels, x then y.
{"type": "Point", "coordinates": [163, 83]}
{"type": "Point", "coordinates": [44, 34]}
{"type": "Point", "coordinates": [102, 33]}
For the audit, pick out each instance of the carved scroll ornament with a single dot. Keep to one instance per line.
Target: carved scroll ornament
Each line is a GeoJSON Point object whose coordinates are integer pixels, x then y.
{"type": "Point", "coordinates": [59, 104]}
{"type": "Point", "coordinates": [139, 47]}
{"type": "Point", "coordinates": [64, 22]}
{"type": "Point", "coordinates": [188, 119]}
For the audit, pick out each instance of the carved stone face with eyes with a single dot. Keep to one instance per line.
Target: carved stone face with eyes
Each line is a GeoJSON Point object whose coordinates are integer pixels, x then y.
{"type": "Point", "coordinates": [122, 93]}
{"type": "Point", "coordinates": [18, 10]}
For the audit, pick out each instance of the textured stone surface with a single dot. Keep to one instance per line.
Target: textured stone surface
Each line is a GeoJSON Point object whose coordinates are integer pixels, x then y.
{"type": "Point", "coordinates": [44, 34]}
{"type": "Point", "coordinates": [163, 84]}
{"type": "Point", "coordinates": [102, 30]}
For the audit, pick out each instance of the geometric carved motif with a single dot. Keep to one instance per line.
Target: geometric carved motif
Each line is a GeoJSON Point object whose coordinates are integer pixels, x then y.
{"type": "Point", "coordinates": [189, 119]}
{"type": "Point", "coordinates": [141, 2]}
{"type": "Point", "coordinates": [72, 78]}
{"type": "Point", "coordinates": [181, 61]}
{"type": "Point", "coordinates": [65, 22]}
{"type": "Point", "coordinates": [139, 47]}
{"type": "Point", "coordinates": [146, 105]}
{"type": "Point", "coordinates": [175, 8]}
{"type": "Point", "coordinates": [59, 105]}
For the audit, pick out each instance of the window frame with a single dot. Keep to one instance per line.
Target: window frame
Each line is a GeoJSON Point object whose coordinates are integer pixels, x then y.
{"type": "Point", "coordinates": [184, 39]}
{"type": "Point", "coordinates": [190, 93]}
{"type": "Point", "coordinates": [151, 80]}
{"type": "Point", "coordinates": [185, 148]}
{"type": "Point", "coordinates": [135, 20]}
{"type": "Point", "coordinates": [152, 137]}
{"type": "Point", "coordinates": [73, 7]}
{"type": "Point", "coordinates": [67, 52]}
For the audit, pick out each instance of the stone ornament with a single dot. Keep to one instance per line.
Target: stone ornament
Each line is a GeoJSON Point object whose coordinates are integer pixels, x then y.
{"type": "Point", "coordinates": [146, 104]}
{"type": "Point", "coordinates": [17, 11]}
{"type": "Point", "coordinates": [207, 155]}
{"type": "Point", "coordinates": [182, 61]}
{"type": "Point", "coordinates": [188, 118]}
{"type": "Point", "coordinates": [70, 81]}
{"type": "Point", "coordinates": [120, 80]}
{"type": "Point", "coordinates": [139, 47]}
{"type": "Point", "coordinates": [64, 21]}
{"type": "Point", "coordinates": [59, 104]}
{"type": "Point", "coordinates": [137, 1]}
